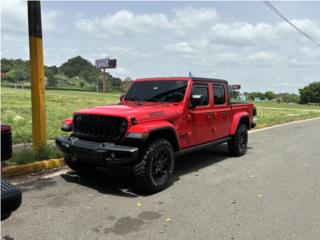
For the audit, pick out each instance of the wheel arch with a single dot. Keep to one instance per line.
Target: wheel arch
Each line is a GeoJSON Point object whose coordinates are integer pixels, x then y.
{"type": "Point", "coordinates": [239, 118]}
{"type": "Point", "coordinates": [165, 132]}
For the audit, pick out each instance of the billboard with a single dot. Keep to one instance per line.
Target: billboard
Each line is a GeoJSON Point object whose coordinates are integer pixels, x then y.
{"type": "Point", "coordinates": [102, 63]}
{"type": "Point", "coordinates": [106, 63]}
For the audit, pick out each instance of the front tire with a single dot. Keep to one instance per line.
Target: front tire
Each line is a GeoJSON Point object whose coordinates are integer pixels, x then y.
{"type": "Point", "coordinates": [154, 171]}
{"type": "Point", "coordinates": [238, 144]}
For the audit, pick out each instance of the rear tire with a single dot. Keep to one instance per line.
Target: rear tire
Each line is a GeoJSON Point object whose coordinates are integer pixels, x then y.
{"type": "Point", "coordinates": [76, 165]}
{"type": "Point", "coordinates": [154, 171]}
{"type": "Point", "coordinates": [238, 144]}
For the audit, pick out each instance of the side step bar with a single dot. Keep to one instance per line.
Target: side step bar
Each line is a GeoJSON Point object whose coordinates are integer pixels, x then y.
{"type": "Point", "coordinates": [202, 146]}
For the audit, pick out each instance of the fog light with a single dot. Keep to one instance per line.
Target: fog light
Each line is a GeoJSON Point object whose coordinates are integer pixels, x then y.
{"type": "Point", "coordinates": [137, 135]}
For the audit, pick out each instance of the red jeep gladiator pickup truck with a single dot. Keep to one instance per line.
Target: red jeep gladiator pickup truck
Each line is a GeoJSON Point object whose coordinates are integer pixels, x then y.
{"type": "Point", "coordinates": [156, 120]}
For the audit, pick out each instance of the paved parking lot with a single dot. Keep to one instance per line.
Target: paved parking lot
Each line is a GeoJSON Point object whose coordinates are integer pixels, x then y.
{"type": "Point", "coordinates": [273, 192]}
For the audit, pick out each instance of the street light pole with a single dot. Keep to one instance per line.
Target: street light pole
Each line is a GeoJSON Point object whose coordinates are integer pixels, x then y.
{"type": "Point", "coordinates": [39, 128]}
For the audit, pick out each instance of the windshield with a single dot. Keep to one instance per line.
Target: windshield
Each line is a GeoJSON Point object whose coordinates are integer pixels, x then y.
{"type": "Point", "coordinates": [157, 91]}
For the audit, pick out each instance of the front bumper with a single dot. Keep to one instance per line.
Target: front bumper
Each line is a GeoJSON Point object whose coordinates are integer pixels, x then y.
{"type": "Point", "coordinates": [97, 153]}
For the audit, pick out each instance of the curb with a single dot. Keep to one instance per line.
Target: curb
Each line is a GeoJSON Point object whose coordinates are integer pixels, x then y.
{"type": "Point", "coordinates": [12, 171]}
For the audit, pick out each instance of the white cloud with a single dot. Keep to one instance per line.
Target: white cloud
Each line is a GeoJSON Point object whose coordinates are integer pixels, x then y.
{"type": "Point", "coordinates": [6, 37]}
{"type": "Point", "coordinates": [181, 47]}
{"type": "Point", "coordinates": [190, 18]}
{"type": "Point", "coordinates": [172, 42]}
{"type": "Point", "coordinates": [265, 58]}
{"type": "Point", "coordinates": [242, 33]}
{"type": "Point", "coordinates": [125, 21]}
{"type": "Point", "coordinates": [14, 17]}
{"type": "Point", "coordinates": [49, 20]}
{"type": "Point", "coordinates": [298, 62]}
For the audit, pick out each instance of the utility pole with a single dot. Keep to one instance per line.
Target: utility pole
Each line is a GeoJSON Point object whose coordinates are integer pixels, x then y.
{"type": "Point", "coordinates": [104, 80]}
{"type": "Point", "coordinates": [103, 64]}
{"type": "Point", "coordinates": [39, 128]}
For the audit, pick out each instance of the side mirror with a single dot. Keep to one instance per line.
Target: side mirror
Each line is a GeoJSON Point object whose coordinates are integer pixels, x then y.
{"type": "Point", "coordinates": [195, 100]}
{"type": "Point", "coordinates": [122, 97]}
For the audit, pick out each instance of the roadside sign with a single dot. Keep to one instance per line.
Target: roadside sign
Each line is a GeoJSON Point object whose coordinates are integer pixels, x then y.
{"type": "Point", "coordinates": [106, 63]}
{"type": "Point", "coordinates": [102, 63]}
{"type": "Point", "coordinates": [235, 87]}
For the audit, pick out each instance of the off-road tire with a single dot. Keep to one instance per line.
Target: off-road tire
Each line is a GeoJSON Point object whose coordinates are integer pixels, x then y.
{"type": "Point", "coordinates": [238, 144]}
{"type": "Point", "coordinates": [143, 171]}
{"type": "Point", "coordinates": [76, 165]}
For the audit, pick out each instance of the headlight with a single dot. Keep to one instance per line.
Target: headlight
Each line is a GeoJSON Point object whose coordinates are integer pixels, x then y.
{"type": "Point", "coordinates": [123, 126]}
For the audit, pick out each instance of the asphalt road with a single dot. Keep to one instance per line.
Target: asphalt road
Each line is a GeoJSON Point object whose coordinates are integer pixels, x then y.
{"type": "Point", "coordinates": [273, 192]}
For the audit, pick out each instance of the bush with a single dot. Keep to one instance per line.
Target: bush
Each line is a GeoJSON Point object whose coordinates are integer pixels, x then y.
{"type": "Point", "coordinates": [310, 93]}
{"type": "Point", "coordinates": [26, 155]}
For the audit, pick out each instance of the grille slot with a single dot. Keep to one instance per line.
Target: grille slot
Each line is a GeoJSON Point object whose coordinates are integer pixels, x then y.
{"type": "Point", "coordinates": [99, 128]}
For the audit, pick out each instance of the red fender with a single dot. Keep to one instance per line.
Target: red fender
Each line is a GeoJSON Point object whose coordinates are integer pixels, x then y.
{"type": "Point", "coordinates": [147, 127]}
{"type": "Point", "coordinates": [236, 119]}
{"type": "Point", "coordinates": [68, 121]}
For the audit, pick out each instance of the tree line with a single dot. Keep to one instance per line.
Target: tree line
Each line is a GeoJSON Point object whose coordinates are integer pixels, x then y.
{"type": "Point", "coordinates": [79, 73]}
{"type": "Point", "coordinates": [308, 94]}
{"type": "Point", "coordinates": [269, 95]}
{"type": "Point", "coordinates": [75, 73]}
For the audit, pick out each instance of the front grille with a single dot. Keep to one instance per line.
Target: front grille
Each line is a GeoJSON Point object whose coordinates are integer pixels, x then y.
{"type": "Point", "coordinates": [99, 128]}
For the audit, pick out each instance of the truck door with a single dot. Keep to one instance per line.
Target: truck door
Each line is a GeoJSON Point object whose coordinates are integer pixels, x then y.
{"type": "Point", "coordinates": [200, 116]}
{"type": "Point", "coordinates": [221, 119]}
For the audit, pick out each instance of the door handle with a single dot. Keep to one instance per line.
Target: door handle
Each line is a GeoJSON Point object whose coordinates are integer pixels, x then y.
{"type": "Point", "coordinates": [209, 114]}
{"type": "Point", "coordinates": [224, 113]}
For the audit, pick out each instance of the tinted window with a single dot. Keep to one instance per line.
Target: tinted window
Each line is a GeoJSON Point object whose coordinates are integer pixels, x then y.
{"type": "Point", "coordinates": [201, 90]}
{"type": "Point", "coordinates": [219, 94]}
{"type": "Point", "coordinates": [157, 91]}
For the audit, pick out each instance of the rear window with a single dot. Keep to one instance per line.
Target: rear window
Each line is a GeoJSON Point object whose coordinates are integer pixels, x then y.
{"type": "Point", "coordinates": [219, 94]}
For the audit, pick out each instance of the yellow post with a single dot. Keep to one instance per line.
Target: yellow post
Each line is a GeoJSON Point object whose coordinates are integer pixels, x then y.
{"type": "Point", "coordinates": [39, 128]}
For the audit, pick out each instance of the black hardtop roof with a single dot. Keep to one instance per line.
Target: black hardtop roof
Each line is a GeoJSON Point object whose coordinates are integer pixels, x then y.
{"type": "Point", "coordinates": [185, 78]}
{"type": "Point", "coordinates": [209, 79]}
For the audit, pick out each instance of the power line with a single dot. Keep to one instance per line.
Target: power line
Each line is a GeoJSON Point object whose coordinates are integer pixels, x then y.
{"type": "Point", "coordinates": [311, 38]}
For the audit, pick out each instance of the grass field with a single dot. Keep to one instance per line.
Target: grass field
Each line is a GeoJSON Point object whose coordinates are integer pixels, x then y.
{"type": "Point", "coordinates": [16, 110]}
{"type": "Point", "coordinates": [272, 104]}
{"type": "Point", "coordinates": [60, 104]}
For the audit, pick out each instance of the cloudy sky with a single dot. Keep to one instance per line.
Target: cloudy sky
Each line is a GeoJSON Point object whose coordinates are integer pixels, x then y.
{"type": "Point", "coordinates": [243, 42]}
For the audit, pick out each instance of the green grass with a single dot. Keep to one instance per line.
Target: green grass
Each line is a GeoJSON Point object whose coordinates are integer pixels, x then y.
{"type": "Point", "coordinates": [273, 104]}
{"type": "Point", "coordinates": [60, 104]}
{"type": "Point", "coordinates": [16, 109]}
{"type": "Point", "coordinates": [269, 117]}
{"type": "Point", "coordinates": [284, 113]}
{"type": "Point", "coordinates": [26, 155]}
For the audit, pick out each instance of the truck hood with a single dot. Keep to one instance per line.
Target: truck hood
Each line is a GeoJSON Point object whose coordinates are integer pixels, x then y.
{"type": "Point", "coordinates": [141, 113]}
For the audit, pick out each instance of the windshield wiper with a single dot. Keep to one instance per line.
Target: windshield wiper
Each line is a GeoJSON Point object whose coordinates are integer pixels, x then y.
{"type": "Point", "coordinates": [136, 99]}
{"type": "Point", "coordinates": [157, 97]}
{"type": "Point", "coordinates": [153, 99]}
